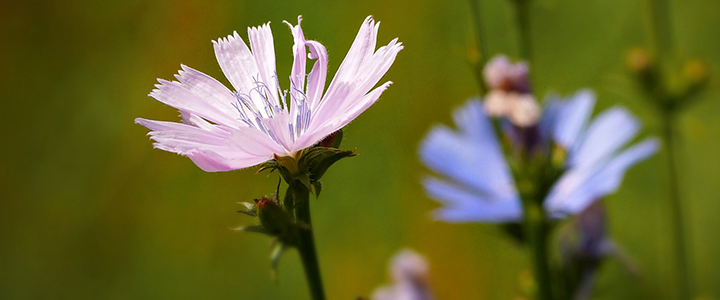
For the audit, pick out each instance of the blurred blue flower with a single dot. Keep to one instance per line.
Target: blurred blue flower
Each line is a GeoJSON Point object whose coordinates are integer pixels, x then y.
{"type": "Point", "coordinates": [479, 186]}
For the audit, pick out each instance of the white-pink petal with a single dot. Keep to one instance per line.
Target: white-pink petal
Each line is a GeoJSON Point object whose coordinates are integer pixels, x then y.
{"type": "Point", "coordinates": [237, 63]}
{"type": "Point", "coordinates": [263, 49]}
{"type": "Point", "coordinates": [318, 74]}
{"type": "Point", "coordinates": [208, 89]}
{"type": "Point", "coordinates": [297, 75]}
{"type": "Point", "coordinates": [174, 94]}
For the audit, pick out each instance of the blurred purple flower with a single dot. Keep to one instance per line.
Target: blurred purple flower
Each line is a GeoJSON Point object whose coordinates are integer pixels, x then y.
{"type": "Point", "coordinates": [583, 245]}
{"type": "Point", "coordinates": [224, 130]}
{"type": "Point", "coordinates": [509, 93]}
{"type": "Point", "coordinates": [409, 272]}
{"type": "Point", "coordinates": [501, 74]}
{"type": "Point", "coordinates": [479, 185]}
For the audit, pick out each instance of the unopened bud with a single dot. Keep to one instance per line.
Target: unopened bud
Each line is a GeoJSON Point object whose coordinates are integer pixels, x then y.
{"type": "Point", "coordinates": [638, 60]}
{"type": "Point", "coordinates": [272, 217]}
{"type": "Point", "coordinates": [695, 71]}
{"type": "Point", "coordinates": [501, 74]}
{"type": "Point", "coordinates": [409, 271]}
{"type": "Point", "coordinates": [497, 103]}
{"type": "Point", "coordinates": [525, 111]}
{"type": "Point", "coordinates": [408, 265]}
{"type": "Point", "coordinates": [526, 282]}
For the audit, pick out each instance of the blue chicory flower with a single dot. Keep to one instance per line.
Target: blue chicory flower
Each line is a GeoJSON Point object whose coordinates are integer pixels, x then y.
{"type": "Point", "coordinates": [478, 185]}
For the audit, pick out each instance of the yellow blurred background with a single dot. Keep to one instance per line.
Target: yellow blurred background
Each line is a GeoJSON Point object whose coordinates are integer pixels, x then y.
{"type": "Point", "coordinates": [90, 211]}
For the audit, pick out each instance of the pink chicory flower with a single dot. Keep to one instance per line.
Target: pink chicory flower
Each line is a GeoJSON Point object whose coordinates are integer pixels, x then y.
{"type": "Point", "coordinates": [224, 129]}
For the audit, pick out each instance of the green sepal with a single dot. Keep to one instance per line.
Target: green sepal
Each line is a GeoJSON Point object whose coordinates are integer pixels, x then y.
{"type": "Point", "coordinates": [285, 165]}
{"type": "Point", "coordinates": [249, 209]}
{"type": "Point", "coordinates": [277, 252]}
{"type": "Point", "coordinates": [319, 159]}
{"type": "Point", "coordinates": [309, 166]}
{"type": "Point", "coordinates": [252, 228]}
{"type": "Point", "coordinates": [338, 139]}
{"type": "Point", "coordinates": [333, 140]}
{"type": "Point", "coordinates": [289, 202]}
{"type": "Point", "coordinates": [271, 165]}
{"type": "Point", "coordinates": [318, 188]}
{"type": "Point", "coordinates": [305, 180]}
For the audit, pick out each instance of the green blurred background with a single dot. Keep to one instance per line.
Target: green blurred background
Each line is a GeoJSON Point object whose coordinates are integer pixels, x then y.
{"type": "Point", "coordinates": [90, 211]}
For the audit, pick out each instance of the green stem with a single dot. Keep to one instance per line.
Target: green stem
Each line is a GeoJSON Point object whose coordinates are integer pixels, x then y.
{"type": "Point", "coordinates": [306, 247]}
{"type": "Point", "coordinates": [479, 38]}
{"type": "Point", "coordinates": [683, 273]}
{"type": "Point", "coordinates": [522, 11]}
{"type": "Point", "coordinates": [661, 38]}
{"type": "Point", "coordinates": [538, 233]}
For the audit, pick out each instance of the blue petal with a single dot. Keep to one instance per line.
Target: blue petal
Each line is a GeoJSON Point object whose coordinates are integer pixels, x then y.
{"type": "Point", "coordinates": [463, 205]}
{"type": "Point", "coordinates": [580, 186]}
{"type": "Point", "coordinates": [475, 124]}
{"type": "Point", "coordinates": [573, 117]}
{"type": "Point", "coordinates": [551, 113]}
{"type": "Point", "coordinates": [471, 156]}
{"type": "Point", "coordinates": [609, 132]}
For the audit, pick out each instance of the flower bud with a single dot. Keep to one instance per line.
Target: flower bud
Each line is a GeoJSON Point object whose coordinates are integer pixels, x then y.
{"type": "Point", "coordinates": [273, 218]}
{"type": "Point", "coordinates": [525, 111]}
{"type": "Point", "coordinates": [408, 265]}
{"type": "Point", "coordinates": [639, 60]}
{"type": "Point", "coordinates": [497, 103]}
{"type": "Point", "coordinates": [501, 74]}
{"type": "Point", "coordinates": [409, 271]}
{"type": "Point", "coordinates": [696, 72]}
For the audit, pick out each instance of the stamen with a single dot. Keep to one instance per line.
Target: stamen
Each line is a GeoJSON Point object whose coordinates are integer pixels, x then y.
{"type": "Point", "coordinates": [264, 92]}
{"type": "Point", "coordinates": [252, 115]}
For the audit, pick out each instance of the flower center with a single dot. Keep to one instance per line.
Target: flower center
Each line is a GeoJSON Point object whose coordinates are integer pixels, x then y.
{"type": "Point", "coordinates": [259, 105]}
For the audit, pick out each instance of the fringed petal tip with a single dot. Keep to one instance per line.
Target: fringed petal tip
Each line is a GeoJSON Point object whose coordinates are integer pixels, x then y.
{"type": "Point", "coordinates": [183, 72]}
{"type": "Point", "coordinates": [257, 29]}
{"type": "Point", "coordinates": [150, 124]}
{"type": "Point", "coordinates": [384, 86]}
{"type": "Point", "coordinates": [226, 40]}
{"type": "Point", "coordinates": [160, 86]}
{"type": "Point", "coordinates": [299, 20]}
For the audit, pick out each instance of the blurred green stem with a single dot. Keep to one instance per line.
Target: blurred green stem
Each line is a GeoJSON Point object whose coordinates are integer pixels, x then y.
{"type": "Point", "coordinates": [685, 291]}
{"type": "Point", "coordinates": [522, 11]}
{"type": "Point", "coordinates": [538, 233]}
{"type": "Point", "coordinates": [660, 31]}
{"type": "Point", "coordinates": [537, 226]}
{"type": "Point", "coordinates": [479, 38]}
{"type": "Point", "coordinates": [661, 38]}
{"type": "Point", "coordinates": [307, 242]}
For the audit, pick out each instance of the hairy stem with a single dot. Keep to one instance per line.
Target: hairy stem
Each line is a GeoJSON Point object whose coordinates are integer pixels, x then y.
{"type": "Point", "coordinates": [306, 247]}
